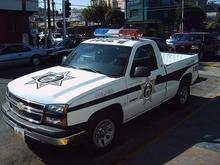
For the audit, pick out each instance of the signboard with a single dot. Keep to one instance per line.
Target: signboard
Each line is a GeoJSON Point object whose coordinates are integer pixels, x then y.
{"type": "Point", "coordinates": [135, 10]}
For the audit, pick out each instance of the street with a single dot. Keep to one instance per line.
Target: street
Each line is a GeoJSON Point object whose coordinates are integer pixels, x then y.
{"type": "Point", "coordinates": [162, 135]}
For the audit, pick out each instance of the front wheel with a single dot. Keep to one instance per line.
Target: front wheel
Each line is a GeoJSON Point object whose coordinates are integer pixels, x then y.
{"type": "Point", "coordinates": [102, 132]}
{"type": "Point", "coordinates": [35, 60]}
{"type": "Point", "coordinates": [182, 95]}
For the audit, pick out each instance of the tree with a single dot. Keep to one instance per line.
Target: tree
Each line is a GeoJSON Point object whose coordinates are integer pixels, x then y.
{"type": "Point", "coordinates": [114, 17]}
{"type": "Point", "coordinates": [194, 18]}
{"type": "Point", "coordinates": [95, 13]}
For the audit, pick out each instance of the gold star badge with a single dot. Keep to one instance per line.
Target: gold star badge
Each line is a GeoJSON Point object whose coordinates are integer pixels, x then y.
{"type": "Point", "coordinates": [50, 78]}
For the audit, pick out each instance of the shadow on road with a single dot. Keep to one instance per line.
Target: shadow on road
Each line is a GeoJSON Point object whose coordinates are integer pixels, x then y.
{"type": "Point", "coordinates": [150, 137]}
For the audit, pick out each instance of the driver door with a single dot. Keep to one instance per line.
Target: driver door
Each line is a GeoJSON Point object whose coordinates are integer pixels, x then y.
{"type": "Point", "coordinates": [151, 91]}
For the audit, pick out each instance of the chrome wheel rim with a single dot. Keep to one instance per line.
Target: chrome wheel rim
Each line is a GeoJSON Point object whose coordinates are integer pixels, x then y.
{"type": "Point", "coordinates": [104, 133]}
{"type": "Point", "coordinates": [184, 95]}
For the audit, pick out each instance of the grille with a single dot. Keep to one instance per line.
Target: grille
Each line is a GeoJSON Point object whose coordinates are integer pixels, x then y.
{"type": "Point", "coordinates": [26, 115]}
{"type": "Point", "coordinates": [29, 111]}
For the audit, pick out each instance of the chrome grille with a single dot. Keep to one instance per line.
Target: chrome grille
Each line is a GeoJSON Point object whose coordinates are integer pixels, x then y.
{"type": "Point", "coordinates": [27, 110]}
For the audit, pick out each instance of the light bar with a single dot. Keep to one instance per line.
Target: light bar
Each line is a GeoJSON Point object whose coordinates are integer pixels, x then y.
{"type": "Point", "coordinates": [123, 33]}
{"type": "Point", "coordinates": [101, 32]}
{"type": "Point", "coordinates": [113, 32]}
{"type": "Point", "coordinates": [104, 32]}
{"type": "Point", "coordinates": [130, 33]}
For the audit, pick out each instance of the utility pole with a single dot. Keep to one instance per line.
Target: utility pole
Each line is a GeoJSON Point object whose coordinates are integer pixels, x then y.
{"type": "Point", "coordinates": [53, 3]}
{"type": "Point", "coordinates": [64, 20]}
{"type": "Point", "coordinates": [49, 19]}
{"type": "Point", "coordinates": [45, 22]}
{"type": "Point", "coordinates": [182, 17]}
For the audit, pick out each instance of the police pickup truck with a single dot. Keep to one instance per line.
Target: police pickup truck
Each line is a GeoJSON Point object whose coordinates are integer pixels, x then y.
{"type": "Point", "coordinates": [104, 83]}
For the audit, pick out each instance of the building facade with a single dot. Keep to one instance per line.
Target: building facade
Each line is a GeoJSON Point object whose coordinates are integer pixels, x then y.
{"type": "Point", "coordinates": [120, 4]}
{"type": "Point", "coordinates": [14, 15]}
{"type": "Point", "coordinates": [149, 15]}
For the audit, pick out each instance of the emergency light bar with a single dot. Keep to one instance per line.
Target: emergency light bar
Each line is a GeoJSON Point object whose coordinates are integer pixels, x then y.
{"type": "Point", "coordinates": [122, 33]}
{"type": "Point", "coordinates": [101, 32]}
{"type": "Point", "coordinates": [130, 33]}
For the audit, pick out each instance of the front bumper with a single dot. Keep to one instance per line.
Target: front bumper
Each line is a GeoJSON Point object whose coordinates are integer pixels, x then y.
{"type": "Point", "coordinates": [42, 133]}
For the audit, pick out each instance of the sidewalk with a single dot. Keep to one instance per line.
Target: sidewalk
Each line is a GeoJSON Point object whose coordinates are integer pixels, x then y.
{"type": "Point", "coordinates": [195, 141]}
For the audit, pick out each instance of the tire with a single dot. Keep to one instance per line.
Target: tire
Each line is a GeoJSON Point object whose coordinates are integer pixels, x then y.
{"type": "Point", "coordinates": [217, 51]}
{"type": "Point", "coordinates": [183, 94]}
{"type": "Point", "coordinates": [35, 60]}
{"type": "Point", "coordinates": [102, 132]}
{"type": "Point", "coordinates": [201, 56]}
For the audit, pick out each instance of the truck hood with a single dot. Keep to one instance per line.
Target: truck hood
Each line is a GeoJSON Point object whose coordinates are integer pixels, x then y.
{"type": "Point", "coordinates": [58, 85]}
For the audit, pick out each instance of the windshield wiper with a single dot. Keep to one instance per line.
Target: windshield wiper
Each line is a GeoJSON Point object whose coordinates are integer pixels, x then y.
{"type": "Point", "coordinates": [90, 69]}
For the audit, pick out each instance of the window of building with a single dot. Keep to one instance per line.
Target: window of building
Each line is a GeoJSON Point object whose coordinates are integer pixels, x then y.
{"type": "Point", "coordinates": [134, 13]}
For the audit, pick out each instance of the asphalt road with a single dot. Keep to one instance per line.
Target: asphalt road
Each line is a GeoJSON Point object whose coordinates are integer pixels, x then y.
{"type": "Point", "coordinates": [144, 137]}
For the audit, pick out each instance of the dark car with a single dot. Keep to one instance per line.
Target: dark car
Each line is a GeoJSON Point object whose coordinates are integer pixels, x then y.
{"type": "Point", "coordinates": [161, 43]}
{"type": "Point", "coordinates": [171, 42]}
{"type": "Point", "coordinates": [202, 43]}
{"type": "Point", "coordinates": [63, 48]}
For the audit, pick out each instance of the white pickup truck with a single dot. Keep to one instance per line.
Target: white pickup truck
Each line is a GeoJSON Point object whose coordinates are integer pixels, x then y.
{"type": "Point", "coordinates": [104, 83]}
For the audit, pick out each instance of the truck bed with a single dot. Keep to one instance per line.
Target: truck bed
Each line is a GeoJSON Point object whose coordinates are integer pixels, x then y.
{"type": "Point", "coordinates": [176, 61]}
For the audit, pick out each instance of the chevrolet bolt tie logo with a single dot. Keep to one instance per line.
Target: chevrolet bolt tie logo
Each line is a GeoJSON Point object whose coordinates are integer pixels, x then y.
{"type": "Point", "coordinates": [20, 106]}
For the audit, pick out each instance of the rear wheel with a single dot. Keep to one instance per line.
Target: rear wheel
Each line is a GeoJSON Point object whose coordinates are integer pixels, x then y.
{"type": "Point", "coordinates": [182, 95]}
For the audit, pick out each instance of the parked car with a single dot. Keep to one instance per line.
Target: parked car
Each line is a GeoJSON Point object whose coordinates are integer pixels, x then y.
{"type": "Point", "coordinates": [202, 43]}
{"type": "Point", "coordinates": [21, 53]}
{"type": "Point", "coordinates": [173, 39]}
{"type": "Point", "coordinates": [161, 43]}
{"type": "Point", "coordinates": [56, 38]}
{"type": "Point", "coordinates": [63, 48]}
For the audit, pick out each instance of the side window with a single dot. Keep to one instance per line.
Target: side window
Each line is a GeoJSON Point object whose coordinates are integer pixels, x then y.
{"type": "Point", "coordinates": [9, 49]}
{"type": "Point", "coordinates": [25, 48]}
{"type": "Point", "coordinates": [145, 56]}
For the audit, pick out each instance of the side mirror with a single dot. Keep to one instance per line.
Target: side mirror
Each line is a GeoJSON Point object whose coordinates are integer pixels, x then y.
{"type": "Point", "coordinates": [141, 71]}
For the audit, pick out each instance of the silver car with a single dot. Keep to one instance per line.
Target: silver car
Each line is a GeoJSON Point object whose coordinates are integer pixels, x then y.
{"type": "Point", "coordinates": [21, 53]}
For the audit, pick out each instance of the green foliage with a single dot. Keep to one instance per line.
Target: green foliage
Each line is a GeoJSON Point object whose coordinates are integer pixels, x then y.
{"type": "Point", "coordinates": [114, 17]}
{"type": "Point", "coordinates": [194, 18]}
{"type": "Point", "coordinates": [103, 14]}
{"type": "Point", "coordinates": [95, 13]}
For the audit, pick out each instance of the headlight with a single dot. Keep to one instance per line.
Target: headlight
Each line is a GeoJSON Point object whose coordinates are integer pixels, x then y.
{"type": "Point", "coordinates": [57, 108]}
{"type": "Point", "coordinates": [194, 47]}
{"type": "Point", "coordinates": [56, 114]}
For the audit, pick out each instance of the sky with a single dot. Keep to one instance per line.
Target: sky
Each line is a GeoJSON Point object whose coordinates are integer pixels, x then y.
{"type": "Point", "coordinates": [84, 3]}
{"type": "Point", "coordinates": [74, 3]}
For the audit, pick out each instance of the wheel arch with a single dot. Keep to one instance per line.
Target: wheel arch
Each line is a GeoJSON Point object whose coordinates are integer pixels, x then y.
{"type": "Point", "coordinates": [116, 109]}
{"type": "Point", "coordinates": [187, 78]}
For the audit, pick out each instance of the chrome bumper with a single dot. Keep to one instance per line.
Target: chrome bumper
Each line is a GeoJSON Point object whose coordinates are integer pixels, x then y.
{"type": "Point", "coordinates": [26, 129]}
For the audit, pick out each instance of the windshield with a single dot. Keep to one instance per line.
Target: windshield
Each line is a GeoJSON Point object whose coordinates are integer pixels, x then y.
{"type": "Point", "coordinates": [192, 37]}
{"type": "Point", "coordinates": [110, 60]}
{"type": "Point", "coordinates": [57, 35]}
{"type": "Point", "coordinates": [177, 36]}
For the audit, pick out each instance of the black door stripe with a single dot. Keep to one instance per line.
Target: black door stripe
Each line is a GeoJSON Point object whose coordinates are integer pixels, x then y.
{"type": "Point", "coordinates": [161, 79]}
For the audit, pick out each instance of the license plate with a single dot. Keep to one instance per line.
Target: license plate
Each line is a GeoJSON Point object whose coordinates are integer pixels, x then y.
{"type": "Point", "coordinates": [19, 131]}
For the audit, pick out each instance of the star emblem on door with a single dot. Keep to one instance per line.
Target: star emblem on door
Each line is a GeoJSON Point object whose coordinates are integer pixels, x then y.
{"type": "Point", "coordinates": [50, 78]}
